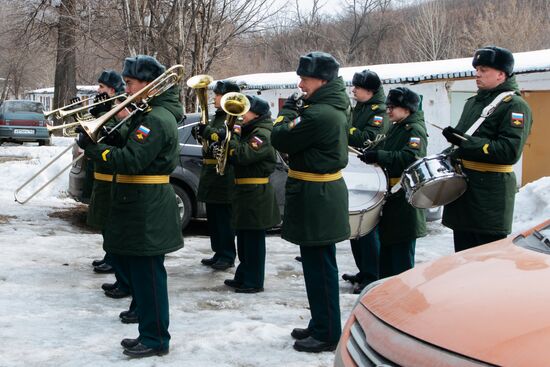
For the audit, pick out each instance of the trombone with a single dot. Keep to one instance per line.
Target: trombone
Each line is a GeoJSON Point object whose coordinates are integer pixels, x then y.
{"type": "Point", "coordinates": [140, 101]}
{"type": "Point", "coordinates": [64, 111]}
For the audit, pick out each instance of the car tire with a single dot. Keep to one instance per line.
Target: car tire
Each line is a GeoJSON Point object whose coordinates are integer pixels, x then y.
{"type": "Point", "coordinates": [184, 205]}
{"type": "Point", "coordinates": [46, 142]}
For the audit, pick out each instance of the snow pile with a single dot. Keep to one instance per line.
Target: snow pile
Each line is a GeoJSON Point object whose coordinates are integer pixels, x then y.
{"type": "Point", "coordinates": [532, 204]}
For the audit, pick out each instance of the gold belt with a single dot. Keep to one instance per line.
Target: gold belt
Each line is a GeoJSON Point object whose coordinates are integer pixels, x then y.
{"type": "Point", "coordinates": [103, 177]}
{"type": "Point", "coordinates": [143, 179]}
{"type": "Point", "coordinates": [209, 161]}
{"type": "Point", "coordinates": [314, 177]}
{"type": "Point", "coordinates": [251, 181]}
{"type": "Point", "coordinates": [394, 180]}
{"type": "Point", "coordinates": [487, 167]}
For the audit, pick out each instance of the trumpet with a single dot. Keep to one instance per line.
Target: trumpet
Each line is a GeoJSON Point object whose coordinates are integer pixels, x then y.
{"type": "Point", "coordinates": [140, 100]}
{"type": "Point", "coordinates": [235, 105]}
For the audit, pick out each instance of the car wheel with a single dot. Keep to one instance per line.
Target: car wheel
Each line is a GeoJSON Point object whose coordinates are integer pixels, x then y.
{"type": "Point", "coordinates": [46, 142]}
{"type": "Point", "coordinates": [184, 205]}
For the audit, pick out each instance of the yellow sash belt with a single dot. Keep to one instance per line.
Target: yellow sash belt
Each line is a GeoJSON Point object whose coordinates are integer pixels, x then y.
{"type": "Point", "coordinates": [103, 177]}
{"type": "Point", "coordinates": [487, 167]}
{"type": "Point", "coordinates": [143, 179]}
{"type": "Point", "coordinates": [252, 181]}
{"type": "Point", "coordinates": [314, 177]}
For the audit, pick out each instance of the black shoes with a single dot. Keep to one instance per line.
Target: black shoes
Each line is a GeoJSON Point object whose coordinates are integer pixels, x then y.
{"type": "Point", "coordinates": [222, 265]}
{"type": "Point", "coordinates": [300, 334]}
{"type": "Point", "coordinates": [312, 345]}
{"type": "Point", "coordinates": [352, 278]}
{"type": "Point", "coordinates": [117, 293]}
{"type": "Point", "coordinates": [104, 269]}
{"type": "Point", "coordinates": [140, 351]}
{"type": "Point", "coordinates": [129, 317]}
{"type": "Point", "coordinates": [232, 283]}
{"type": "Point", "coordinates": [248, 290]}
{"type": "Point", "coordinates": [98, 262]}
{"type": "Point", "coordinates": [298, 258]}
{"type": "Point", "coordinates": [208, 261]}
{"type": "Point", "coordinates": [129, 343]}
{"type": "Point", "coordinates": [359, 288]}
{"type": "Point", "coordinates": [109, 286]}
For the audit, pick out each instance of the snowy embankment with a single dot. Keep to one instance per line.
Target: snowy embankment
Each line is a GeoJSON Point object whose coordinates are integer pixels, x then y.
{"type": "Point", "coordinates": [54, 313]}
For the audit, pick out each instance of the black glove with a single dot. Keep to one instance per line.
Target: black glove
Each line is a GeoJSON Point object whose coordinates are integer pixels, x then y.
{"type": "Point", "coordinates": [369, 156]}
{"type": "Point", "coordinates": [100, 108]}
{"type": "Point", "coordinates": [112, 137]}
{"type": "Point", "coordinates": [449, 134]}
{"type": "Point", "coordinates": [198, 130]}
{"type": "Point", "coordinates": [83, 140]}
{"type": "Point", "coordinates": [294, 102]}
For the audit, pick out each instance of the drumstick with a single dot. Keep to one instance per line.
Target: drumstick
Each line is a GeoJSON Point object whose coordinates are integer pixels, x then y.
{"type": "Point", "coordinates": [455, 134]}
{"type": "Point", "coordinates": [353, 150]}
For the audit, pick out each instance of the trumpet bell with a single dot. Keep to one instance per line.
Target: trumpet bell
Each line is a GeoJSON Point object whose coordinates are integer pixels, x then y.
{"type": "Point", "coordinates": [235, 103]}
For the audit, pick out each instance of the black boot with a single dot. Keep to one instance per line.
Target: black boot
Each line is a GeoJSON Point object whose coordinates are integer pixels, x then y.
{"type": "Point", "coordinates": [109, 286]}
{"type": "Point", "coordinates": [140, 351]}
{"type": "Point", "coordinates": [129, 317]}
{"type": "Point", "coordinates": [208, 261]}
{"type": "Point", "coordinates": [98, 262]}
{"type": "Point", "coordinates": [312, 345]}
{"type": "Point", "coordinates": [129, 343]}
{"type": "Point", "coordinates": [222, 265]}
{"type": "Point", "coordinates": [104, 269]}
{"type": "Point", "coordinates": [300, 334]}
{"type": "Point", "coordinates": [117, 293]}
{"type": "Point", "coordinates": [352, 278]}
{"type": "Point", "coordinates": [232, 283]}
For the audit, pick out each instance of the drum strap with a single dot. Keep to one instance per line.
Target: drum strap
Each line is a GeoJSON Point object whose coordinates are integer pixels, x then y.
{"type": "Point", "coordinates": [487, 111]}
{"type": "Point", "coordinates": [314, 177]}
{"type": "Point", "coordinates": [487, 167]}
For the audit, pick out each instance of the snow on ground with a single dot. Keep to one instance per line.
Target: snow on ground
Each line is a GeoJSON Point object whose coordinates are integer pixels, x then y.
{"type": "Point", "coordinates": [54, 313]}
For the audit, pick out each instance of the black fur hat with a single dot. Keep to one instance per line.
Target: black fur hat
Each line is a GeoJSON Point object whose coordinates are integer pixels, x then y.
{"type": "Point", "coordinates": [225, 86]}
{"type": "Point", "coordinates": [112, 79]}
{"type": "Point", "coordinates": [403, 97]}
{"type": "Point", "coordinates": [495, 57]}
{"type": "Point", "coordinates": [142, 67]}
{"type": "Point", "coordinates": [319, 65]}
{"type": "Point", "coordinates": [258, 105]}
{"type": "Point", "coordinates": [367, 80]}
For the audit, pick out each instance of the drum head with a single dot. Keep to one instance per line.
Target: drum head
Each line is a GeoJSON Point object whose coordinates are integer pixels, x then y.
{"type": "Point", "coordinates": [438, 192]}
{"type": "Point", "coordinates": [367, 185]}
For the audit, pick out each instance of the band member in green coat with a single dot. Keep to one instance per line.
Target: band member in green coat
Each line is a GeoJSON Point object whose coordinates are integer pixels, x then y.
{"type": "Point", "coordinates": [313, 131]}
{"type": "Point", "coordinates": [369, 123]}
{"type": "Point", "coordinates": [485, 211]}
{"type": "Point", "coordinates": [216, 190]}
{"type": "Point", "coordinates": [144, 223]}
{"type": "Point", "coordinates": [254, 203]}
{"type": "Point", "coordinates": [406, 141]}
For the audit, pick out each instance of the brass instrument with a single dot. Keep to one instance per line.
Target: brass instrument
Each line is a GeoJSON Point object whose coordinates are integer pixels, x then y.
{"type": "Point", "coordinates": [140, 101]}
{"type": "Point", "coordinates": [235, 105]}
{"type": "Point", "coordinates": [200, 84]}
{"type": "Point", "coordinates": [81, 111]}
{"type": "Point", "coordinates": [54, 113]}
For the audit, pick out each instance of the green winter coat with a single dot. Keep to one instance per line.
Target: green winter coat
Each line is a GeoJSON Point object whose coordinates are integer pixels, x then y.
{"type": "Point", "coordinates": [100, 200]}
{"type": "Point", "coordinates": [316, 213]}
{"type": "Point", "coordinates": [254, 206]}
{"type": "Point", "coordinates": [144, 218]}
{"type": "Point", "coordinates": [214, 188]}
{"type": "Point", "coordinates": [368, 120]}
{"type": "Point", "coordinates": [487, 206]}
{"type": "Point", "coordinates": [405, 143]}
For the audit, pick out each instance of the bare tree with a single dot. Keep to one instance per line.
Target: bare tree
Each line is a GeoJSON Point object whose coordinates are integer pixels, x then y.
{"type": "Point", "coordinates": [429, 36]}
{"type": "Point", "coordinates": [65, 70]}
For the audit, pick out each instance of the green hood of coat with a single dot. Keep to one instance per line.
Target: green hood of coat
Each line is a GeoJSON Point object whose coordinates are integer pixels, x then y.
{"type": "Point", "coordinates": [333, 93]}
{"type": "Point", "coordinates": [509, 84]}
{"type": "Point", "coordinates": [170, 101]}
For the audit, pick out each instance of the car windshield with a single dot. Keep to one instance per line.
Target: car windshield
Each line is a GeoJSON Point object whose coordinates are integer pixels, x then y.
{"type": "Point", "coordinates": [538, 241]}
{"type": "Point", "coordinates": [23, 106]}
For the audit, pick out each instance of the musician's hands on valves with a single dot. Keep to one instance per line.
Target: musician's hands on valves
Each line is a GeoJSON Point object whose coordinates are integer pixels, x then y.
{"type": "Point", "coordinates": [112, 137]}
{"type": "Point", "coordinates": [453, 136]}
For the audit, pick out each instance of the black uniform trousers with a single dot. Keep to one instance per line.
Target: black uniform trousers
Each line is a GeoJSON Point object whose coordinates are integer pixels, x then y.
{"type": "Point", "coordinates": [464, 240]}
{"type": "Point", "coordinates": [366, 253]}
{"type": "Point", "coordinates": [149, 289]}
{"type": "Point", "coordinates": [251, 250]}
{"type": "Point", "coordinates": [121, 278]}
{"type": "Point", "coordinates": [321, 278]}
{"type": "Point", "coordinates": [222, 235]}
{"type": "Point", "coordinates": [396, 258]}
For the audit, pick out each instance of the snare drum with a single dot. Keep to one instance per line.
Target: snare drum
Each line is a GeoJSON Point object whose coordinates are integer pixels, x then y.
{"type": "Point", "coordinates": [367, 186]}
{"type": "Point", "coordinates": [432, 181]}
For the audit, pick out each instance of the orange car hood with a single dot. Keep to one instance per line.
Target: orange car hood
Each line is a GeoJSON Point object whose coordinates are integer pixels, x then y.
{"type": "Point", "coordinates": [491, 303]}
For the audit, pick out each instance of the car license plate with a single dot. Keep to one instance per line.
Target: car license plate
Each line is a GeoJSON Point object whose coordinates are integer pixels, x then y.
{"type": "Point", "coordinates": [23, 131]}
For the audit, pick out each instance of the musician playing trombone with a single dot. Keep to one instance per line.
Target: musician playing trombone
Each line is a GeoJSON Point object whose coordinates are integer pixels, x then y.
{"type": "Point", "coordinates": [216, 190]}
{"type": "Point", "coordinates": [369, 123]}
{"type": "Point", "coordinates": [144, 222]}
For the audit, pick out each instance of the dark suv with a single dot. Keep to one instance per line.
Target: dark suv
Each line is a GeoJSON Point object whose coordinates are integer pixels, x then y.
{"type": "Point", "coordinates": [184, 179]}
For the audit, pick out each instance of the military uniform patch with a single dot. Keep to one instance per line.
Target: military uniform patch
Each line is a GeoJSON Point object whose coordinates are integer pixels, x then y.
{"type": "Point", "coordinates": [377, 121]}
{"type": "Point", "coordinates": [255, 142]}
{"type": "Point", "coordinates": [414, 142]}
{"type": "Point", "coordinates": [517, 119]}
{"type": "Point", "coordinates": [294, 123]}
{"type": "Point", "coordinates": [142, 133]}
{"type": "Point", "coordinates": [279, 119]}
{"type": "Point", "coordinates": [374, 107]}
